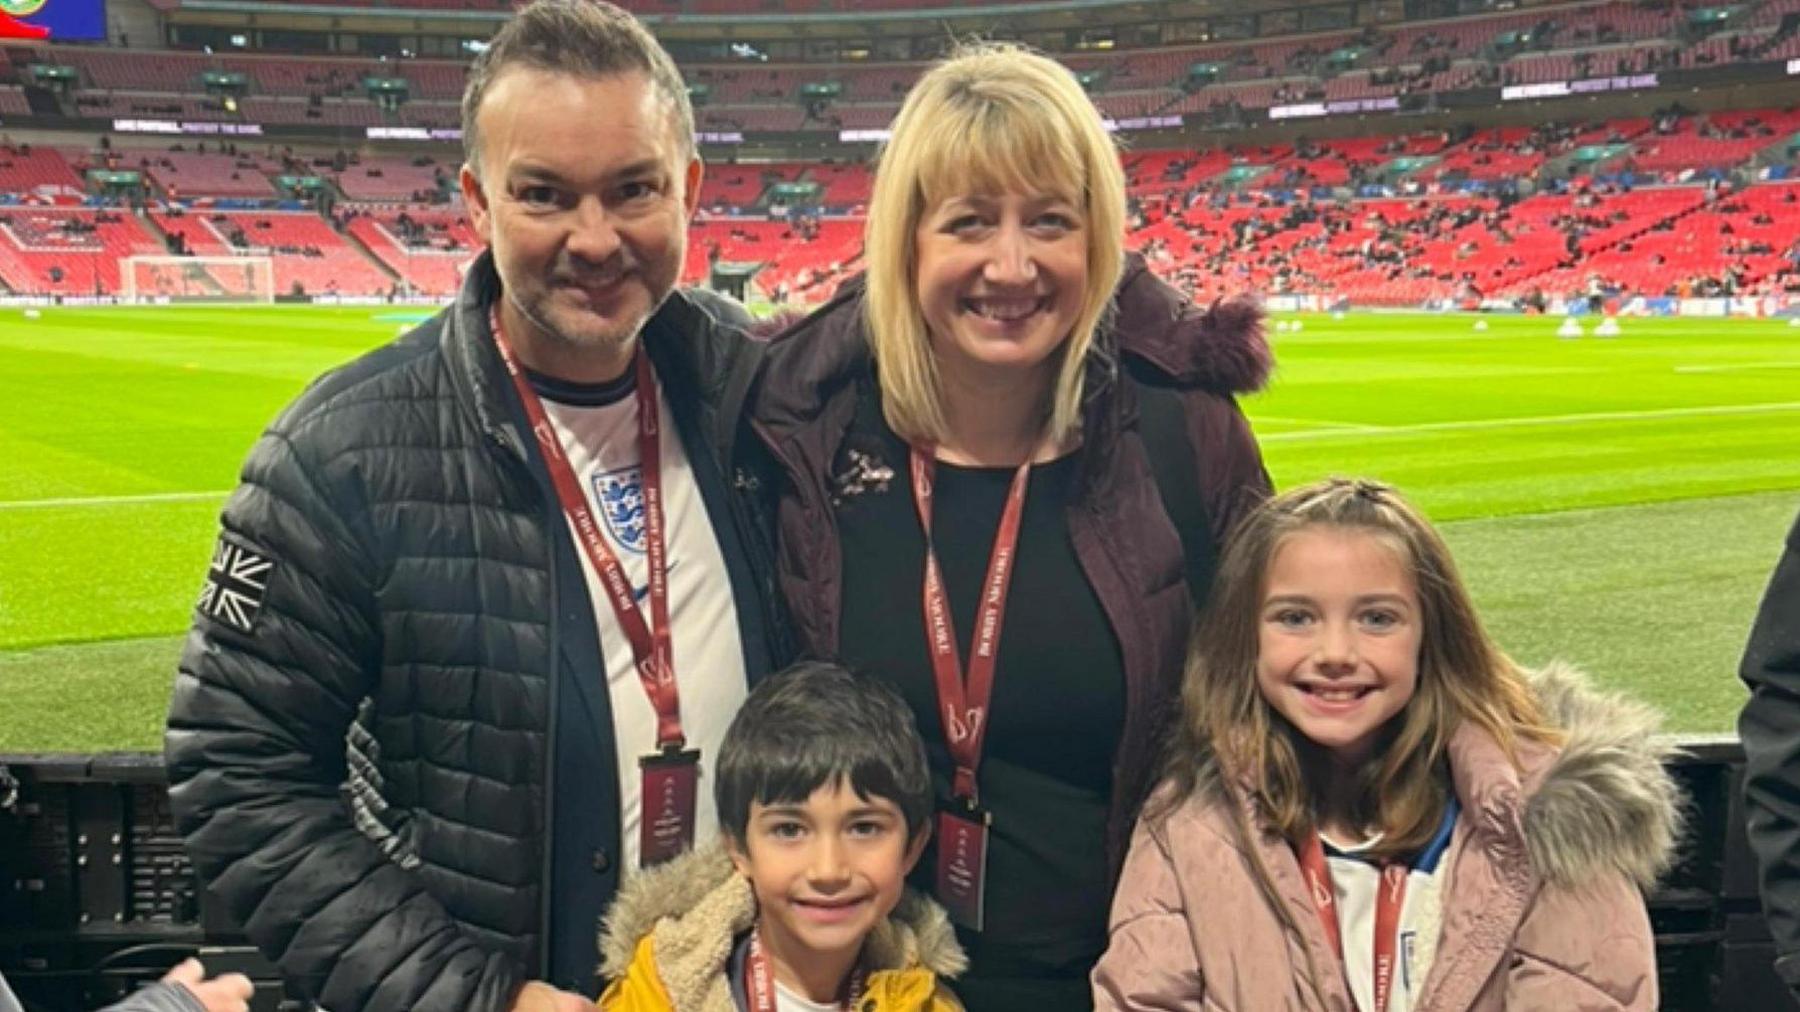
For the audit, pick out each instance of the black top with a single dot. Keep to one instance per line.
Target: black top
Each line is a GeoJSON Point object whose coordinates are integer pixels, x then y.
{"type": "Point", "coordinates": [1057, 712]}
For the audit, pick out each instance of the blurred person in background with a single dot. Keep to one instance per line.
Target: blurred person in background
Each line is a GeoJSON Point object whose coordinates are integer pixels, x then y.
{"type": "Point", "coordinates": [1770, 729]}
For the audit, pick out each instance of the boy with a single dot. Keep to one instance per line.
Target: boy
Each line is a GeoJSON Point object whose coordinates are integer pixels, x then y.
{"type": "Point", "coordinates": [824, 799]}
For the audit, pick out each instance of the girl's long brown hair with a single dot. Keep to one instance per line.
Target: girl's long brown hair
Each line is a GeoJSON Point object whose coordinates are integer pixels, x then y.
{"type": "Point", "coordinates": [1463, 676]}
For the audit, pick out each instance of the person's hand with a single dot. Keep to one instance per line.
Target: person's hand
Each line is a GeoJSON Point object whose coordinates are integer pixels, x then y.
{"type": "Point", "coordinates": [229, 993]}
{"type": "Point", "coordinates": [538, 996]}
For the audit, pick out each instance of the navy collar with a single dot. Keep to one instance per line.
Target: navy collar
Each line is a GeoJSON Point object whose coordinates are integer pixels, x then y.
{"type": "Point", "coordinates": [583, 395]}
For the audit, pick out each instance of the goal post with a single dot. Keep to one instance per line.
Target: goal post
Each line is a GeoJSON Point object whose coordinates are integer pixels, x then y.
{"type": "Point", "coordinates": [197, 279]}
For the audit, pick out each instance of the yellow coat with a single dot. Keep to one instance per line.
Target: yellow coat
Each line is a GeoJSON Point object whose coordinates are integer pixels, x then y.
{"type": "Point", "coordinates": [669, 936]}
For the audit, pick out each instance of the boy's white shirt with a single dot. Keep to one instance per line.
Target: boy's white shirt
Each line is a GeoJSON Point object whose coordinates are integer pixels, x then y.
{"type": "Point", "coordinates": [788, 1001]}
{"type": "Point", "coordinates": [709, 655]}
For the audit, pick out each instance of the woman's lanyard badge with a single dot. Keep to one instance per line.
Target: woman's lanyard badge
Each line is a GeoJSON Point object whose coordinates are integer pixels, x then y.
{"type": "Point", "coordinates": [671, 774]}
{"type": "Point", "coordinates": [963, 703]}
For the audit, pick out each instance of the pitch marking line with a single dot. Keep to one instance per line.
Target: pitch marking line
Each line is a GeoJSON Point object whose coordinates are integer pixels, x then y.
{"type": "Point", "coordinates": [1539, 420]}
{"type": "Point", "coordinates": [1322, 423]}
{"type": "Point", "coordinates": [1737, 367]}
{"type": "Point", "coordinates": [111, 500]}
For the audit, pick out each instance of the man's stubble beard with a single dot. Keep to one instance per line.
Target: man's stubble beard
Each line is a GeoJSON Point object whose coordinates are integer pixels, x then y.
{"type": "Point", "coordinates": [611, 339]}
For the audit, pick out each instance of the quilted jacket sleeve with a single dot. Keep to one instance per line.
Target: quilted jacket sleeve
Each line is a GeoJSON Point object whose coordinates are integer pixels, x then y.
{"type": "Point", "coordinates": [284, 647]}
{"type": "Point", "coordinates": [1585, 950]}
{"type": "Point", "coordinates": [1150, 962]}
{"type": "Point", "coordinates": [1770, 729]}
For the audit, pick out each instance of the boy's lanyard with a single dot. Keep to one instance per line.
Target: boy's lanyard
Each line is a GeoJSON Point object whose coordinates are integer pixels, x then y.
{"type": "Point", "coordinates": [671, 774]}
{"type": "Point", "coordinates": [963, 704]}
{"type": "Point", "coordinates": [1390, 895]}
{"type": "Point", "coordinates": [759, 982]}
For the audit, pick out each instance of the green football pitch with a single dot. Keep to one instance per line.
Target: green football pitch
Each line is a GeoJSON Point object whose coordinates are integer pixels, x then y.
{"type": "Point", "coordinates": [1617, 502]}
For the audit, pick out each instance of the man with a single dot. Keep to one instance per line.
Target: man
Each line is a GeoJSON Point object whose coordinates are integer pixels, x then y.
{"type": "Point", "coordinates": [489, 580]}
{"type": "Point", "coordinates": [1770, 729]}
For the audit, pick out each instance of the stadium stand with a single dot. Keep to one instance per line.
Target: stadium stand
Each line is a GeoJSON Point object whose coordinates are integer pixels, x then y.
{"type": "Point", "coordinates": [399, 179]}
{"type": "Point", "coordinates": [1385, 218]}
{"type": "Point", "coordinates": [1519, 48]}
{"type": "Point", "coordinates": [426, 247]}
{"type": "Point", "coordinates": [37, 171]}
{"type": "Point", "coordinates": [56, 251]}
{"type": "Point", "coordinates": [308, 255]}
{"type": "Point", "coordinates": [213, 174]}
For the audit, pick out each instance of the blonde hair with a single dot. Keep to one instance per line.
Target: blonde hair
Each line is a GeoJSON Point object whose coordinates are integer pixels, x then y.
{"type": "Point", "coordinates": [1463, 676]}
{"type": "Point", "coordinates": [994, 117]}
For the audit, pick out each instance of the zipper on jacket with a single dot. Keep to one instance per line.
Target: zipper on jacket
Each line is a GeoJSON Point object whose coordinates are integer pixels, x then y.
{"type": "Point", "coordinates": [546, 866]}
{"type": "Point", "coordinates": [517, 458]}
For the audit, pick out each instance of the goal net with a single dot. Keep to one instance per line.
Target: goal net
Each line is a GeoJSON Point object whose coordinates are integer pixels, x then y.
{"type": "Point", "coordinates": [197, 279]}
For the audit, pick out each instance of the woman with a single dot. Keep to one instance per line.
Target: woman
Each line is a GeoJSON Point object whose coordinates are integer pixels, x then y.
{"type": "Point", "coordinates": [982, 385]}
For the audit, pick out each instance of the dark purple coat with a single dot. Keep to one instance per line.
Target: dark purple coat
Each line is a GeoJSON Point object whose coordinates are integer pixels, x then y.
{"type": "Point", "coordinates": [1126, 544]}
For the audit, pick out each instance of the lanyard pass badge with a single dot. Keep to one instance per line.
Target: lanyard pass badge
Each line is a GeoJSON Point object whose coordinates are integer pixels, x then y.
{"type": "Point", "coordinates": [962, 851]}
{"type": "Point", "coordinates": [671, 786]}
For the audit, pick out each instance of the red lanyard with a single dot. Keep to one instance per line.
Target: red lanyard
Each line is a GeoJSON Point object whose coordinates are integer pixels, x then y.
{"type": "Point", "coordinates": [759, 983]}
{"type": "Point", "coordinates": [1389, 897]}
{"type": "Point", "coordinates": [964, 706]}
{"type": "Point", "coordinates": [651, 650]}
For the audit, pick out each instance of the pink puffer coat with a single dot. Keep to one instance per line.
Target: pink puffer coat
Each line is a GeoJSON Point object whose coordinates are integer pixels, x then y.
{"type": "Point", "coordinates": [1542, 906]}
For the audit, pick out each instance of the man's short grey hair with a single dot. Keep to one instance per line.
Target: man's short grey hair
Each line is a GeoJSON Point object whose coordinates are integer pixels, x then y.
{"type": "Point", "coordinates": [585, 38]}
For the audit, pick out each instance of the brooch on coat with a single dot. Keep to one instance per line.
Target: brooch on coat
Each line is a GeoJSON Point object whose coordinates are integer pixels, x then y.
{"type": "Point", "coordinates": [863, 472]}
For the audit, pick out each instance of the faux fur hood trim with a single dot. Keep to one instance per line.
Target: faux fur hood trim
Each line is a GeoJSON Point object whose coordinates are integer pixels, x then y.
{"type": "Point", "coordinates": [1606, 801]}
{"type": "Point", "coordinates": [697, 906]}
{"type": "Point", "coordinates": [1602, 802]}
{"type": "Point", "coordinates": [1222, 348]}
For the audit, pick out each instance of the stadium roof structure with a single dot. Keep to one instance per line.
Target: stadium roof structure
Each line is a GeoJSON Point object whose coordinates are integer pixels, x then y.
{"type": "Point", "coordinates": [712, 20]}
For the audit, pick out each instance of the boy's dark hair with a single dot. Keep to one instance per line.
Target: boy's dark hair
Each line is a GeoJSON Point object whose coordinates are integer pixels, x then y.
{"type": "Point", "coordinates": [815, 724]}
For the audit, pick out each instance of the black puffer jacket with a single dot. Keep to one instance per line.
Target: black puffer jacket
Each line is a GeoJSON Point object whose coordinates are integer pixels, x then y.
{"type": "Point", "coordinates": [359, 742]}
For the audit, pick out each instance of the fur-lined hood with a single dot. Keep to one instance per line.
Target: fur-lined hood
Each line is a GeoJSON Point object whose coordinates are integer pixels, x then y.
{"type": "Point", "coordinates": [1600, 802]}
{"type": "Point", "coordinates": [1605, 801]}
{"type": "Point", "coordinates": [697, 906]}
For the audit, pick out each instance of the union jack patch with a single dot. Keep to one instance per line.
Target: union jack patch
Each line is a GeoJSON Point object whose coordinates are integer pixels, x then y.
{"type": "Point", "coordinates": [235, 585]}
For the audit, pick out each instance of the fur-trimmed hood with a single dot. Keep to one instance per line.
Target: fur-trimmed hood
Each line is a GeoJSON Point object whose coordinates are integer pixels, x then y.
{"type": "Point", "coordinates": [1602, 801]}
{"type": "Point", "coordinates": [1221, 347]}
{"type": "Point", "coordinates": [697, 906]}
{"type": "Point", "coordinates": [1606, 800]}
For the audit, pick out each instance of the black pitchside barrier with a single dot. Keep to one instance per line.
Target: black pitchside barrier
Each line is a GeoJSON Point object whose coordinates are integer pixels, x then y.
{"type": "Point", "coordinates": [97, 897]}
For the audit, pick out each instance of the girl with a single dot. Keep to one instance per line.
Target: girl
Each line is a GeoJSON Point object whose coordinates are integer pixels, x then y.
{"type": "Point", "coordinates": [1370, 807]}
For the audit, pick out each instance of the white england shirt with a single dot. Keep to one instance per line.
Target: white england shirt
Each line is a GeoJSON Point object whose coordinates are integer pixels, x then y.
{"type": "Point", "coordinates": [602, 445]}
{"type": "Point", "coordinates": [1355, 880]}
